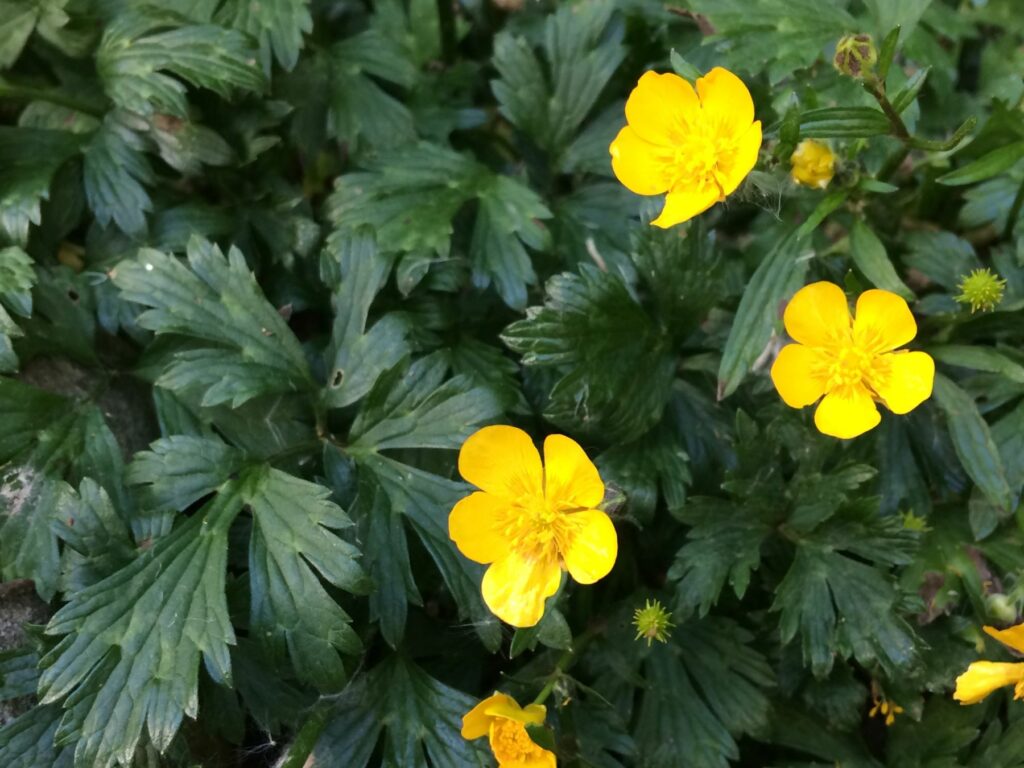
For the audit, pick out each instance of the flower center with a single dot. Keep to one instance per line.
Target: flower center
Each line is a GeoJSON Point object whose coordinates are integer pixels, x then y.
{"type": "Point", "coordinates": [697, 157]}
{"type": "Point", "coordinates": [535, 526]}
{"type": "Point", "coordinates": [850, 366]}
{"type": "Point", "coordinates": [510, 742]}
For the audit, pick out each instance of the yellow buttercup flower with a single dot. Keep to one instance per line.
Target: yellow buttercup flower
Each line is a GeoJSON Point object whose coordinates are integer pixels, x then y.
{"type": "Point", "coordinates": [813, 164]}
{"type": "Point", "coordinates": [984, 677]}
{"type": "Point", "coordinates": [851, 362]}
{"type": "Point", "coordinates": [529, 521]}
{"type": "Point", "coordinates": [696, 145]}
{"type": "Point", "coordinates": [504, 722]}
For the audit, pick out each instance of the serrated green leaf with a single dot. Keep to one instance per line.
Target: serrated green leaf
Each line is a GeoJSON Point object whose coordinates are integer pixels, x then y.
{"type": "Point", "coordinates": [28, 741]}
{"type": "Point", "coordinates": [116, 174]}
{"type": "Point", "coordinates": [291, 546]}
{"type": "Point", "coordinates": [140, 47]}
{"type": "Point", "coordinates": [278, 26]}
{"type": "Point", "coordinates": [612, 358]}
{"type": "Point", "coordinates": [17, 277]}
{"type": "Point", "coordinates": [179, 470]}
{"type": "Point", "coordinates": [869, 255]}
{"type": "Point", "coordinates": [777, 276]}
{"type": "Point", "coordinates": [973, 442]}
{"type": "Point", "coordinates": [18, 673]}
{"type": "Point", "coordinates": [99, 538]}
{"type": "Point", "coordinates": [992, 164]}
{"type": "Point", "coordinates": [248, 349]}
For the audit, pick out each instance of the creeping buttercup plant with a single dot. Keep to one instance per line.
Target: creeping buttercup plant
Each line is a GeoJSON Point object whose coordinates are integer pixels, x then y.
{"type": "Point", "coordinates": [596, 383]}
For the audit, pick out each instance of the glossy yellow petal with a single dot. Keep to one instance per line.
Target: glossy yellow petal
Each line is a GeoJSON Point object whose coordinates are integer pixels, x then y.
{"type": "Point", "coordinates": [570, 477]}
{"type": "Point", "coordinates": [795, 375]}
{"type": "Point", "coordinates": [683, 204]}
{"type": "Point", "coordinates": [846, 413]}
{"type": "Point", "coordinates": [906, 381]}
{"type": "Point", "coordinates": [502, 461]}
{"type": "Point", "coordinates": [642, 167]}
{"type": "Point", "coordinates": [818, 315]}
{"type": "Point", "coordinates": [592, 548]}
{"type": "Point", "coordinates": [515, 588]}
{"type": "Point", "coordinates": [477, 721]}
{"type": "Point", "coordinates": [736, 164]}
{"type": "Point", "coordinates": [883, 321]}
{"type": "Point", "coordinates": [474, 527]}
{"type": "Point", "coordinates": [984, 677]}
{"type": "Point", "coordinates": [508, 708]}
{"type": "Point", "coordinates": [660, 107]}
{"type": "Point", "coordinates": [812, 164]}
{"type": "Point", "coordinates": [725, 102]}
{"type": "Point", "coordinates": [1012, 637]}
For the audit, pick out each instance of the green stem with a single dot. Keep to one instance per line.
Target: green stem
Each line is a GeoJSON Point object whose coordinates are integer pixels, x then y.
{"type": "Point", "coordinates": [899, 128]}
{"type": "Point", "coordinates": [51, 95]}
{"type": "Point", "coordinates": [307, 737]}
{"type": "Point", "coordinates": [1011, 218]}
{"type": "Point", "coordinates": [564, 662]}
{"type": "Point", "coordinates": [446, 20]}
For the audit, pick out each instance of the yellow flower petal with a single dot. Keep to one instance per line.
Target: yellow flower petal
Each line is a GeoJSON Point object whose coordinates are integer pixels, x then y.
{"type": "Point", "coordinates": [818, 315]}
{"type": "Point", "coordinates": [515, 588]}
{"type": "Point", "coordinates": [908, 382]}
{"type": "Point", "coordinates": [641, 166]}
{"type": "Point", "coordinates": [508, 708]}
{"type": "Point", "coordinates": [794, 375]}
{"type": "Point", "coordinates": [683, 204]}
{"type": "Point", "coordinates": [725, 100]}
{"type": "Point", "coordinates": [660, 106]}
{"type": "Point", "coordinates": [1012, 637]}
{"type": "Point", "coordinates": [847, 412]}
{"type": "Point", "coordinates": [570, 477]}
{"type": "Point", "coordinates": [513, 748]}
{"type": "Point", "coordinates": [503, 461]}
{"type": "Point", "coordinates": [741, 161]}
{"type": "Point", "coordinates": [984, 677]}
{"type": "Point", "coordinates": [591, 552]}
{"type": "Point", "coordinates": [477, 721]}
{"type": "Point", "coordinates": [883, 321]}
{"type": "Point", "coordinates": [473, 526]}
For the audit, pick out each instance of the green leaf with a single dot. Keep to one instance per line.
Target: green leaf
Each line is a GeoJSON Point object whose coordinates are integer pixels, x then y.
{"type": "Point", "coordinates": [843, 123]}
{"type": "Point", "coordinates": [292, 546]}
{"type": "Point", "coordinates": [777, 276]}
{"type": "Point", "coordinates": [90, 527]}
{"type": "Point", "coordinates": [278, 26]}
{"type": "Point", "coordinates": [992, 164]}
{"type": "Point", "coordinates": [28, 741]}
{"type": "Point", "coordinates": [550, 104]}
{"type": "Point", "coordinates": [29, 159]}
{"type": "Point", "coordinates": [683, 68]}
{"type": "Point", "coordinates": [887, 50]}
{"type": "Point", "coordinates": [132, 643]}
{"type": "Point", "coordinates": [973, 443]}
{"type": "Point", "coordinates": [615, 370]}
{"type": "Point", "coordinates": [979, 358]}
{"type": "Point", "coordinates": [869, 255]}
{"type": "Point", "coordinates": [140, 47]}
{"type": "Point", "coordinates": [247, 348]}
{"type": "Point", "coordinates": [419, 718]}
{"type": "Point", "coordinates": [359, 356]}
{"type": "Point", "coordinates": [905, 96]}
{"type": "Point", "coordinates": [18, 673]}
{"type": "Point", "coordinates": [116, 174]}
{"type": "Point", "coordinates": [179, 470]}
{"type": "Point", "coordinates": [8, 331]}
{"type": "Point", "coordinates": [17, 277]}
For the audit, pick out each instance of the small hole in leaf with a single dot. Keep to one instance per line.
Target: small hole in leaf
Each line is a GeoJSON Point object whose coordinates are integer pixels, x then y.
{"type": "Point", "coordinates": [339, 376]}
{"type": "Point", "coordinates": [73, 294]}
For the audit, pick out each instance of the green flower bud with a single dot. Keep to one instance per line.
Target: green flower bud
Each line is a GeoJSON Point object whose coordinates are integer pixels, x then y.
{"type": "Point", "coordinates": [856, 56]}
{"type": "Point", "coordinates": [652, 622]}
{"type": "Point", "coordinates": [982, 289]}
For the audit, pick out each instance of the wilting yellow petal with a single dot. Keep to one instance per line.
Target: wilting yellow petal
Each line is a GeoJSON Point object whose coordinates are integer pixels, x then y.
{"type": "Point", "coordinates": [641, 166]}
{"type": "Point", "coordinates": [570, 477]}
{"type": "Point", "coordinates": [508, 708]}
{"type": "Point", "coordinates": [725, 101]}
{"type": "Point", "coordinates": [591, 550]}
{"type": "Point", "coordinates": [984, 677]}
{"type": "Point", "coordinates": [737, 164]}
{"type": "Point", "coordinates": [883, 321]}
{"type": "Point", "coordinates": [684, 204]}
{"type": "Point", "coordinates": [847, 412]}
{"type": "Point", "coordinates": [818, 315]}
{"type": "Point", "coordinates": [502, 461]}
{"type": "Point", "coordinates": [477, 721]}
{"type": "Point", "coordinates": [795, 375]}
{"type": "Point", "coordinates": [660, 107]}
{"type": "Point", "coordinates": [907, 380]}
{"type": "Point", "coordinates": [515, 588]}
{"type": "Point", "coordinates": [473, 526]}
{"type": "Point", "coordinates": [1012, 637]}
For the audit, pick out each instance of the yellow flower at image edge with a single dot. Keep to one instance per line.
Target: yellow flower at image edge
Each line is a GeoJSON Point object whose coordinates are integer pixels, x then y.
{"type": "Point", "coordinates": [984, 677]}
{"type": "Point", "coordinates": [813, 164]}
{"type": "Point", "coordinates": [696, 145]}
{"type": "Point", "coordinates": [504, 722]}
{"type": "Point", "coordinates": [529, 521]}
{"type": "Point", "coordinates": [850, 363]}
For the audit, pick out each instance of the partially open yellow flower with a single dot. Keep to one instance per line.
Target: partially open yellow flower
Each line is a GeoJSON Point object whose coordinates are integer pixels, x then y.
{"type": "Point", "coordinates": [695, 145]}
{"type": "Point", "coordinates": [504, 722]}
{"type": "Point", "coordinates": [813, 164]}
{"type": "Point", "coordinates": [851, 362]}
{"type": "Point", "coordinates": [984, 677]}
{"type": "Point", "coordinates": [529, 521]}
